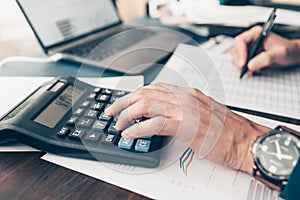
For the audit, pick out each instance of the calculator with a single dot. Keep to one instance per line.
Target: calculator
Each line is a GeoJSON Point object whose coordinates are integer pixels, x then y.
{"type": "Point", "coordinates": [66, 117]}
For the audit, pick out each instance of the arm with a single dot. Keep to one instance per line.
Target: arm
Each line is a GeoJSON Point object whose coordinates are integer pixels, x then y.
{"type": "Point", "coordinates": [212, 130]}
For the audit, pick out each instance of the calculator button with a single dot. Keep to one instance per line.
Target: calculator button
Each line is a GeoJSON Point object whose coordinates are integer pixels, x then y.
{"type": "Point", "coordinates": [99, 125]}
{"type": "Point", "coordinates": [97, 106]}
{"type": "Point", "coordinates": [72, 121]}
{"type": "Point", "coordinates": [79, 112]}
{"type": "Point", "coordinates": [77, 134]}
{"type": "Point", "coordinates": [109, 139]}
{"type": "Point", "coordinates": [125, 143]}
{"type": "Point", "coordinates": [107, 105]}
{"type": "Point", "coordinates": [103, 98]}
{"type": "Point", "coordinates": [116, 117]}
{"type": "Point", "coordinates": [92, 136]}
{"type": "Point", "coordinates": [92, 96]}
{"type": "Point", "coordinates": [91, 114]}
{"type": "Point", "coordinates": [85, 104]}
{"type": "Point", "coordinates": [104, 117]}
{"type": "Point", "coordinates": [97, 90]}
{"type": "Point", "coordinates": [64, 131]}
{"type": "Point", "coordinates": [107, 91]}
{"type": "Point", "coordinates": [113, 130]}
{"type": "Point", "coordinates": [120, 93]}
{"type": "Point", "coordinates": [85, 123]}
{"type": "Point", "coordinates": [113, 99]}
{"type": "Point", "coordinates": [142, 145]}
{"type": "Point", "coordinates": [147, 137]}
{"type": "Point", "coordinates": [139, 120]}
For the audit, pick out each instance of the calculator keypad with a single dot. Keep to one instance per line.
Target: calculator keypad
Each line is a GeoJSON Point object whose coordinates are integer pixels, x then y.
{"type": "Point", "coordinates": [90, 124]}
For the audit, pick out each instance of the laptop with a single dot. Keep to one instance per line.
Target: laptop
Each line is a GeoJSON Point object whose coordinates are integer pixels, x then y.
{"type": "Point", "coordinates": [91, 32]}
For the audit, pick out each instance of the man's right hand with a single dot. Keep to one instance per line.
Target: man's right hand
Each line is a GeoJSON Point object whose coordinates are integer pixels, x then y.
{"type": "Point", "coordinates": [276, 51]}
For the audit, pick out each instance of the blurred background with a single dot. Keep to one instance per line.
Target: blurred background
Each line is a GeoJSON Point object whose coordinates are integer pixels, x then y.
{"type": "Point", "coordinates": [16, 37]}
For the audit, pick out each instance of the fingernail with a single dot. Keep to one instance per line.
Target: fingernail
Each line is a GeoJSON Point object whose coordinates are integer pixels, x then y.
{"type": "Point", "coordinates": [116, 127]}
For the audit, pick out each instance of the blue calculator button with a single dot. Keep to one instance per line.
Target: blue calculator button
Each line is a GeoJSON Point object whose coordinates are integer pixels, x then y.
{"type": "Point", "coordinates": [125, 143]}
{"type": "Point", "coordinates": [142, 145]}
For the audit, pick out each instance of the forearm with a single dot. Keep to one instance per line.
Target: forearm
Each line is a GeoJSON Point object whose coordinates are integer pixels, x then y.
{"type": "Point", "coordinates": [232, 146]}
{"type": "Point", "coordinates": [244, 139]}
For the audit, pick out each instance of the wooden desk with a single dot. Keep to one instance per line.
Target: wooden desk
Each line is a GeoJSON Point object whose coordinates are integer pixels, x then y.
{"type": "Point", "coordinates": [26, 176]}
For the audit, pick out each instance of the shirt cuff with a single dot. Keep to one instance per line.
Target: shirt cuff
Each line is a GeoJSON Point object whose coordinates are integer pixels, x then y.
{"type": "Point", "coordinates": [292, 190]}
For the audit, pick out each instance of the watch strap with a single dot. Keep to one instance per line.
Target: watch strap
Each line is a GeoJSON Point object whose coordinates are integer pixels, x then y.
{"type": "Point", "coordinates": [258, 176]}
{"type": "Point", "coordinates": [284, 128]}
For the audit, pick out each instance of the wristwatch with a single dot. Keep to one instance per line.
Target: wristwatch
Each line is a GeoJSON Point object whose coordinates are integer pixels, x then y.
{"type": "Point", "coordinates": [275, 156]}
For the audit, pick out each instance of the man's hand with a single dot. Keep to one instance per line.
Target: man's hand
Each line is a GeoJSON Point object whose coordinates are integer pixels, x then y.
{"type": "Point", "coordinates": [276, 51]}
{"type": "Point", "coordinates": [192, 117]}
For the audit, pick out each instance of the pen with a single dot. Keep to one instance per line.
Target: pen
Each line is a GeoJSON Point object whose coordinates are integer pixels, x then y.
{"type": "Point", "coordinates": [264, 33]}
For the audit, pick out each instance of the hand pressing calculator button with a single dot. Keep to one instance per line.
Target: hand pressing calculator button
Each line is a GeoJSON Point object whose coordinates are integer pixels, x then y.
{"type": "Point", "coordinates": [70, 121]}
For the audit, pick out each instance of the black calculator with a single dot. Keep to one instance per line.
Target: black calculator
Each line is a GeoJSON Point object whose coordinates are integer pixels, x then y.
{"type": "Point", "coordinates": [66, 117]}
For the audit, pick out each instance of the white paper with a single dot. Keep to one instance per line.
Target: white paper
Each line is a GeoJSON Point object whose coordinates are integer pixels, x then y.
{"type": "Point", "coordinates": [15, 89]}
{"type": "Point", "coordinates": [205, 180]}
{"type": "Point", "coordinates": [211, 12]}
{"type": "Point", "coordinates": [275, 92]}
{"type": "Point", "coordinates": [169, 182]}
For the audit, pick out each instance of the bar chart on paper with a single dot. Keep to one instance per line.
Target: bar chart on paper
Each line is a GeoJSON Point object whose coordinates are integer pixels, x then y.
{"type": "Point", "coordinates": [258, 191]}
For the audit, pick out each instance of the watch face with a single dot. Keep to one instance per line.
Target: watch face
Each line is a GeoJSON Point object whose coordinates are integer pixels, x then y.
{"type": "Point", "coordinates": [276, 154]}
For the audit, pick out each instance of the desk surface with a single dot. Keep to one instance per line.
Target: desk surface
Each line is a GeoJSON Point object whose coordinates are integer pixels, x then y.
{"type": "Point", "coordinates": [26, 176]}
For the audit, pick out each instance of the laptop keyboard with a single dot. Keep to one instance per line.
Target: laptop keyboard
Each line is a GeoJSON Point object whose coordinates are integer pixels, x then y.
{"type": "Point", "coordinates": [119, 43]}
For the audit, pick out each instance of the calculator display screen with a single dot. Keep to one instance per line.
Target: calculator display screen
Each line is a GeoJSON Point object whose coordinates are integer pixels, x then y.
{"type": "Point", "coordinates": [58, 108]}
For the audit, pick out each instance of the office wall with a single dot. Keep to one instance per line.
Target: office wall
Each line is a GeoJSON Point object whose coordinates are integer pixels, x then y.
{"type": "Point", "coordinates": [16, 37]}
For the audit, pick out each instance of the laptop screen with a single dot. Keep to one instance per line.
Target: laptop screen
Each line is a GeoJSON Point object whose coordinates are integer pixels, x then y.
{"type": "Point", "coordinates": [56, 21]}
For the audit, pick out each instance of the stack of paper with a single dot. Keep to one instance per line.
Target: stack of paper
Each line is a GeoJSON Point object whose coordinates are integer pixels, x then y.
{"type": "Point", "coordinates": [211, 12]}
